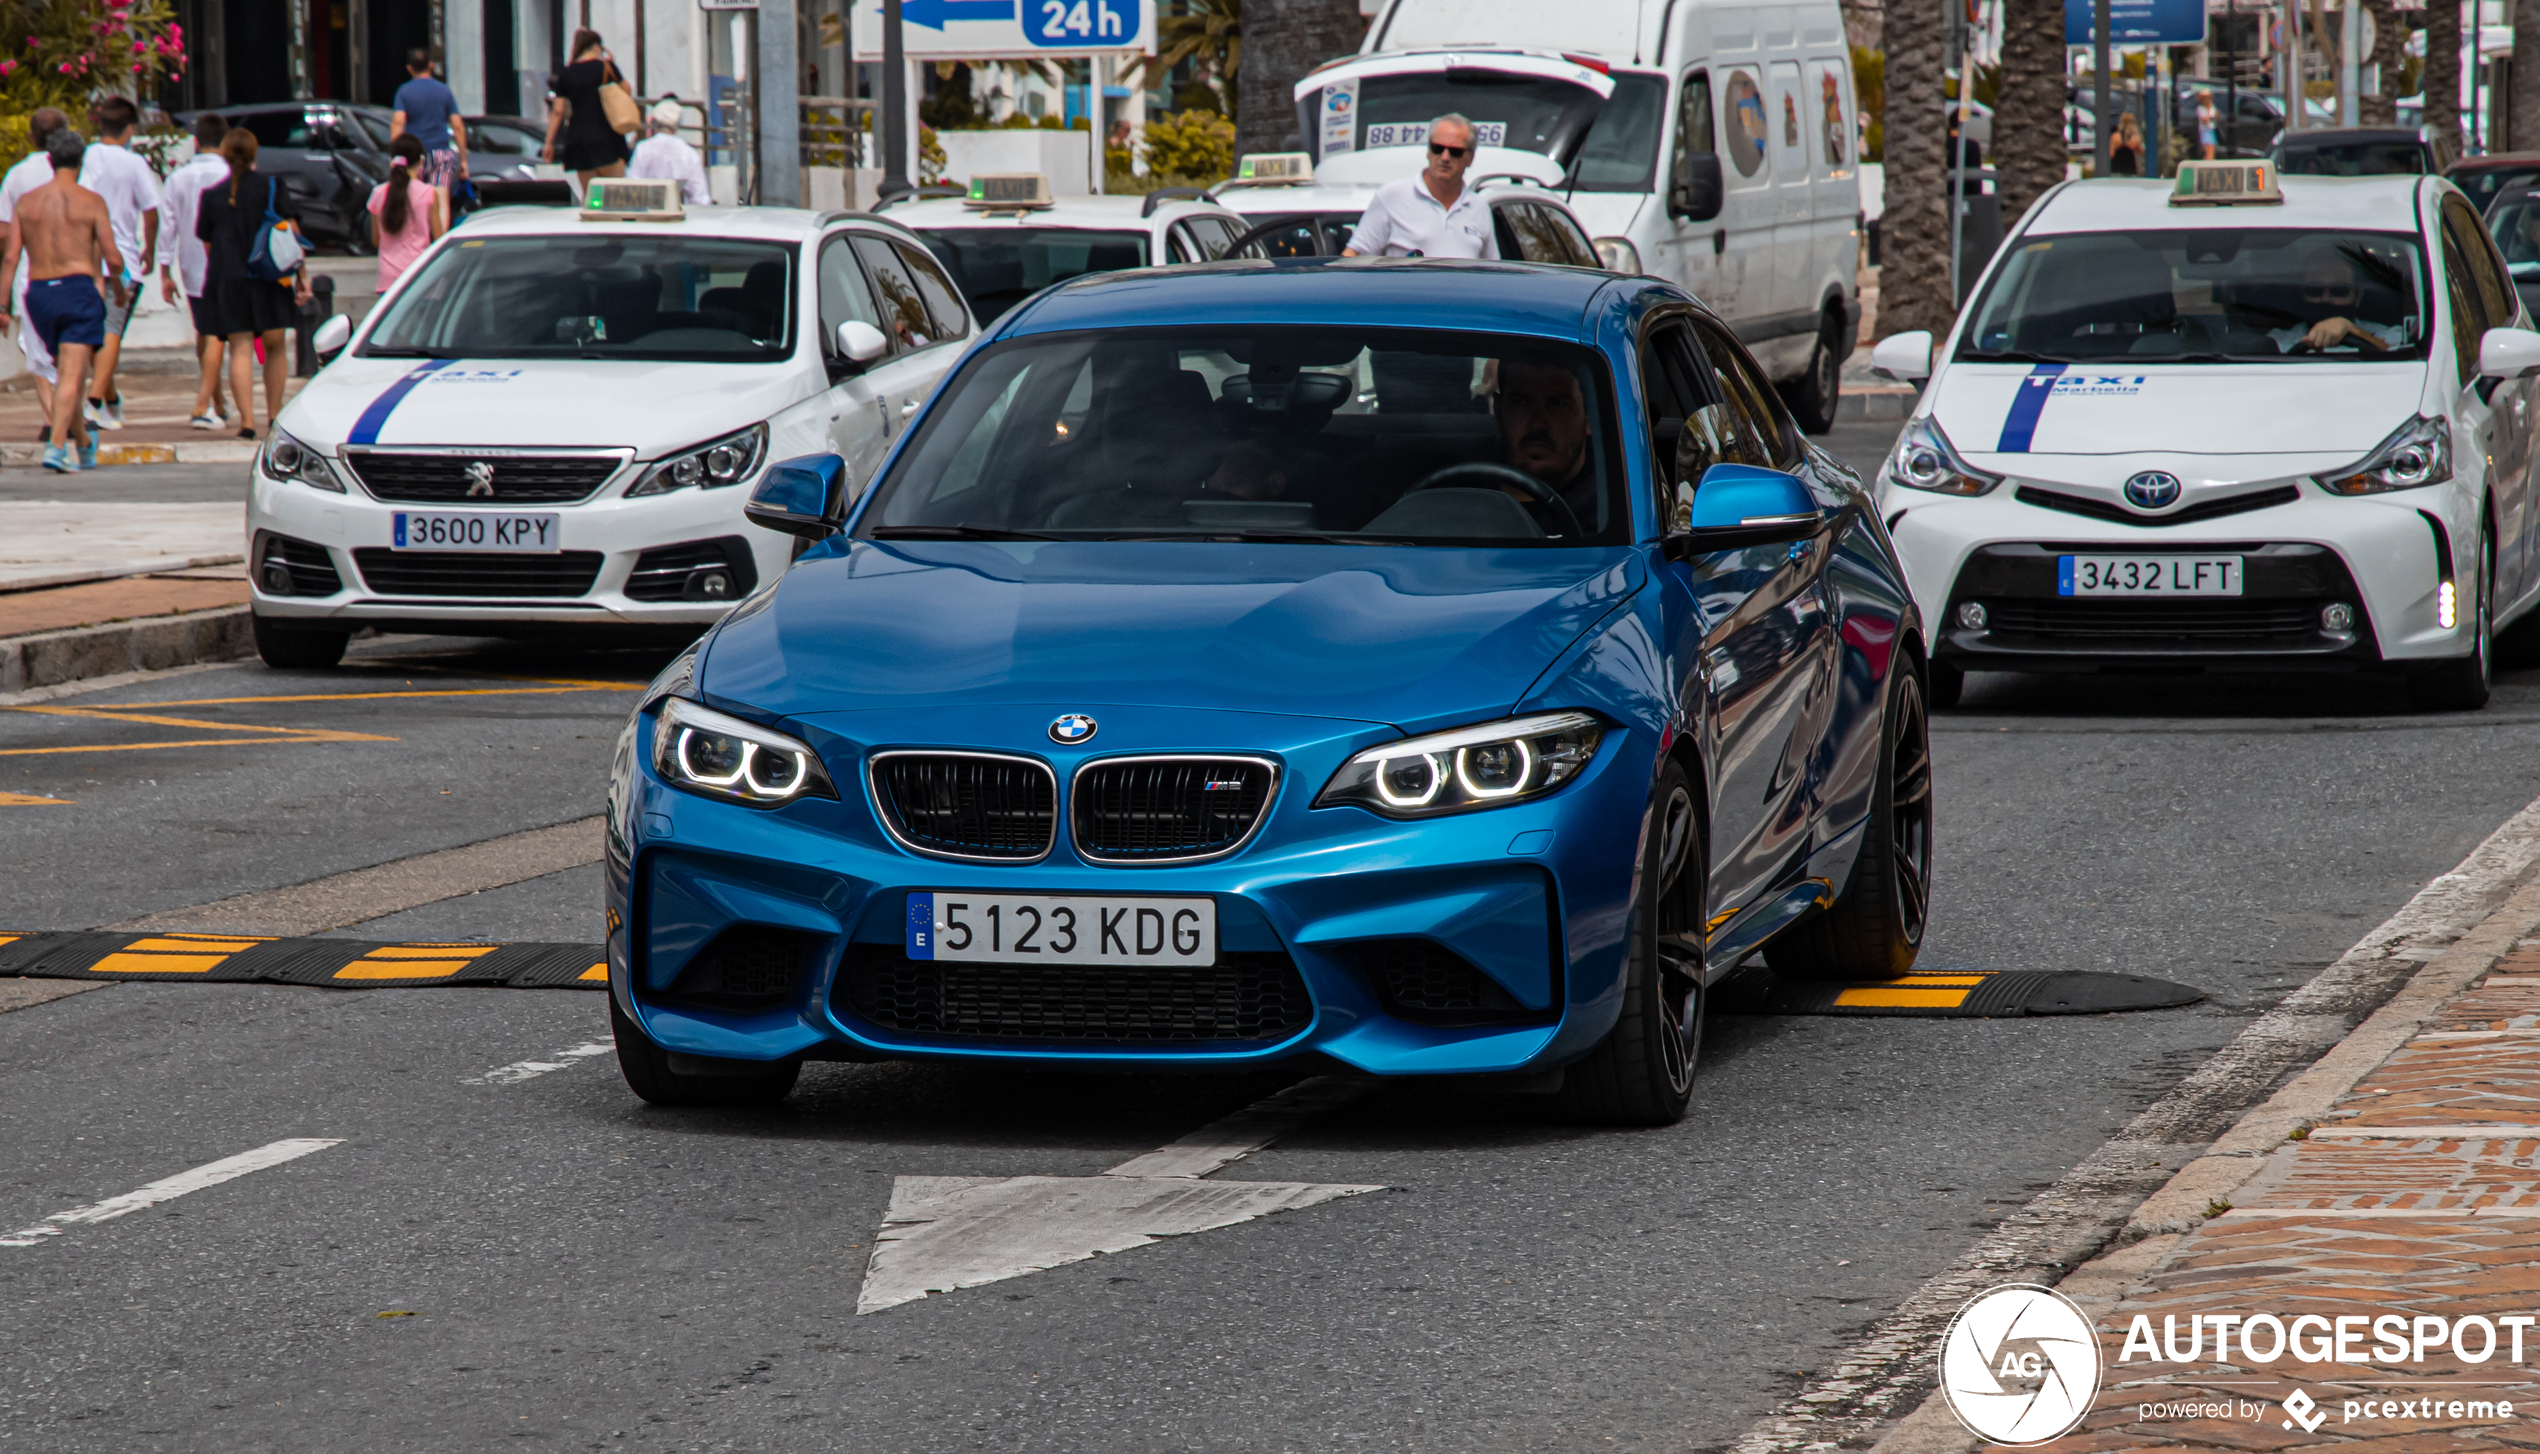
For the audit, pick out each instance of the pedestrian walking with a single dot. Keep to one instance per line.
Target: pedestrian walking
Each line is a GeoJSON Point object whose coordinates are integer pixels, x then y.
{"type": "Point", "coordinates": [407, 213]}
{"type": "Point", "coordinates": [247, 309]}
{"type": "Point", "coordinates": [427, 111]}
{"type": "Point", "coordinates": [182, 262]}
{"type": "Point", "coordinates": [33, 170]}
{"type": "Point", "coordinates": [1430, 214]}
{"type": "Point", "coordinates": [2125, 150]}
{"type": "Point", "coordinates": [577, 111]}
{"type": "Point", "coordinates": [664, 155]}
{"type": "Point", "coordinates": [117, 173]}
{"type": "Point", "coordinates": [2208, 126]}
{"type": "Point", "coordinates": [68, 240]}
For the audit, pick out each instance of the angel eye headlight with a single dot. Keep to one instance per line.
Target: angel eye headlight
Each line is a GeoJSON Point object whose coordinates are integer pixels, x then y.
{"type": "Point", "coordinates": [720, 756]}
{"type": "Point", "coordinates": [1471, 768]}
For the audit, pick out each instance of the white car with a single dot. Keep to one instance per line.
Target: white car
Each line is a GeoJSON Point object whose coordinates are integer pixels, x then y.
{"type": "Point", "coordinates": [2215, 425]}
{"type": "Point", "coordinates": [1300, 215]}
{"type": "Point", "coordinates": [1010, 238]}
{"type": "Point", "coordinates": [553, 420]}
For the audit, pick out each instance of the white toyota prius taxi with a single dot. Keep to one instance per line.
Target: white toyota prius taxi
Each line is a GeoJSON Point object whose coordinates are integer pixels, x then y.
{"type": "Point", "coordinates": [2226, 423]}
{"type": "Point", "coordinates": [554, 418]}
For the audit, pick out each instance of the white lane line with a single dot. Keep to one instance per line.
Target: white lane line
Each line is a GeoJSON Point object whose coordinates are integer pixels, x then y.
{"type": "Point", "coordinates": [520, 1070]}
{"type": "Point", "coordinates": [212, 1173]}
{"type": "Point", "coordinates": [1223, 1142]}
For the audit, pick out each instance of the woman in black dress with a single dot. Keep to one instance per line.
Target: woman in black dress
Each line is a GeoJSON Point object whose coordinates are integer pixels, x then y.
{"type": "Point", "coordinates": [590, 149]}
{"type": "Point", "coordinates": [245, 309]}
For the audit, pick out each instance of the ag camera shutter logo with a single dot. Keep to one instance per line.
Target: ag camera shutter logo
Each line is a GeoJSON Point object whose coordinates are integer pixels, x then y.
{"type": "Point", "coordinates": [2020, 1365]}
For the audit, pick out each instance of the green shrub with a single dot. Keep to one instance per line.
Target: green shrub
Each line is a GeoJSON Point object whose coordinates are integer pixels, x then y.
{"type": "Point", "coordinates": [1196, 145]}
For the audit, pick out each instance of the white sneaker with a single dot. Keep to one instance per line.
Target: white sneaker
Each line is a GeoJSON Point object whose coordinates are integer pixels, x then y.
{"type": "Point", "coordinates": [92, 411]}
{"type": "Point", "coordinates": [112, 414]}
{"type": "Point", "coordinates": [207, 420]}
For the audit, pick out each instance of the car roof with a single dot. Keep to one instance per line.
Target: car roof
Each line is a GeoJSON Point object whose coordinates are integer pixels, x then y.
{"type": "Point", "coordinates": [2366, 204]}
{"type": "Point", "coordinates": [1494, 297]}
{"type": "Point", "coordinates": [2495, 161]}
{"type": "Point", "coordinates": [2347, 135]}
{"type": "Point", "coordinates": [1106, 211]}
{"type": "Point", "coordinates": [780, 224]}
{"type": "Point", "coordinates": [1326, 198]}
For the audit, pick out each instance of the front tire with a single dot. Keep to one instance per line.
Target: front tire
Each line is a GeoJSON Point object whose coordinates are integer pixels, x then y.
{"type": "Point", "coordinates": [285, 649]}
{"type": "Point", "coordinates": [1642, 1073]}
{"type": "Point", "coordinates": [1876, 929]}
{"type": "Point", "coordinates": [2462, 686]}
{"type": "Point", "coordinates": [646, 1067]}
{"type": "Point", "coordinates": [1812, 397]}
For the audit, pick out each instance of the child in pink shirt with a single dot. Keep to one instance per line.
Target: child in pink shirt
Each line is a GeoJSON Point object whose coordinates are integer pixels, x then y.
{"type": "Point", "coordinates": [406, 214]}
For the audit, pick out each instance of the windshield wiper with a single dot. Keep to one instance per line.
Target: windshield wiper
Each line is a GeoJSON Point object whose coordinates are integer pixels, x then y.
{"type": "Point", "coordinates": [959, 532]}
{"type": "Point", "coordinates": [2007, 355]}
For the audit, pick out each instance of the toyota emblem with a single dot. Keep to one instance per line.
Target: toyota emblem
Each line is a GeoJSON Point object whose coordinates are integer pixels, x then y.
{"type": "Point", "coordinates": [1073, 728]}
{"type": "Point", "coordinates": [480, 480]}
{"type": "Point", "coordinates": [2152, 490]}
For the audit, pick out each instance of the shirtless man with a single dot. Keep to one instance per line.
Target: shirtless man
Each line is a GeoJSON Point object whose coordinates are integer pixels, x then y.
{"type": "Point", "coordinates": [69, 241]}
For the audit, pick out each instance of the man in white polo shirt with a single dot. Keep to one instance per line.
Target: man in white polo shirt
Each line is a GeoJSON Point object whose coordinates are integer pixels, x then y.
{"type": "Point", "coordinates": [1431, 214]}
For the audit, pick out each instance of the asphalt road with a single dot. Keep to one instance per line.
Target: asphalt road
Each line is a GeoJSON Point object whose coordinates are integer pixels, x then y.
{"type": "Point", "coordinates": [551, 1264]}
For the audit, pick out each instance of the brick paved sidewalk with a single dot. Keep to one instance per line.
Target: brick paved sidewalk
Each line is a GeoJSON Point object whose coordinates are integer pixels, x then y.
{"type": "Point", "coordinates": [2416, 1199]}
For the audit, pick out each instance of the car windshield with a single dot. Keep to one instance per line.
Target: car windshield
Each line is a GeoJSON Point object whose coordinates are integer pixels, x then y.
{"type": "Point", "coordinates": [2353, 159]}
{"type": "Point", "coordinates": [998, 267]}
{"type": "Point", "coordinates": [2219, 295]}
{"type": "Point", "coordinates": [2485, 184]}
{"type": "Point", "coordinates": [1289, 435]}
{"type": "Point", "coordinates": [1621, 151]}
{"type": "Point", "coordinates": [1529, 113]}
{"type": "Point", "coordinates": [596, 295]}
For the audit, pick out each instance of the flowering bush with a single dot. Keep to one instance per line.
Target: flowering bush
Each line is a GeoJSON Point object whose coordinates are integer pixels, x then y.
{"type": "Point", "coordinates": [66, 53]}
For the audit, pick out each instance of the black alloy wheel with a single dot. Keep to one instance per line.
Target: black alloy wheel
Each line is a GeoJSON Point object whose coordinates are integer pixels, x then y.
{"type": "Point", "coordinates": [1875, 930]}
{"type": "Point", "coordinates": [1813, 396]}
{"type": "Point", "coordinates": [2462, 686]}
{"type": "Point", "coordinates": [1641, 1074]}
{"type": "Point", "coordinates": [694, 1080]}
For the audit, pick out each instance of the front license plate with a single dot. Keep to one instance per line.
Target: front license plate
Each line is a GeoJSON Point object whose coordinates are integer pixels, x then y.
{"type": "Point", "coordinates": [1062, 929]}
{"type": "Point", "coordinates": [2147, 575]}
{"type": "Point", "coordinates": [515, 532]}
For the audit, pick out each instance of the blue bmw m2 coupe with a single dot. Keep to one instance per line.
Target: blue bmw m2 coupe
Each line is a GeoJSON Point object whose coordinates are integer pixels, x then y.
{"type": "Point", "coordinates": [1440, 667]}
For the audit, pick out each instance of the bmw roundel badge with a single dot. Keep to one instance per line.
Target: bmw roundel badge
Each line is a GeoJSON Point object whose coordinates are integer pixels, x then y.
{"type": "Point", "coordinates": [2152, 489]}
{"type": "Point", "coordinates": [1073, 728]}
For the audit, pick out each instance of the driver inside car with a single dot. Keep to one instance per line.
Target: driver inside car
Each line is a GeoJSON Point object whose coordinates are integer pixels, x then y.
{"type": "Point", "coordinates": [2332, 288]}
{"type": "Point", "coordinates": [1543, 427]}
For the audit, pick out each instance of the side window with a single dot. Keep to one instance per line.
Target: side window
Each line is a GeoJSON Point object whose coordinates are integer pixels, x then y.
{"type": "Point", "coordinates": [1178, 245]}
{"type": "Point", "coordinates": [1582, 251]}
{"type": "Point", "coordinates": [2469, 320]}
{"type": "Point", "coordinates": [1535, 243]}
{"type": "Point", "coordinates": [902, 307]}
{"type": "Point", "coordinates": [943, 300]}
{"type": "Point", "coordinates": [1672, 395]}
{"type": "Point", "coordinates": [1694, 136]}
{"type": "Point", "coordinates": [1749, 423]}
{"type": "Point", "coordinates": [1214, 236]}
{"type": "Point", "coordinates": [844, 295]}
{"type": "Point", "coordinates": [2495, 291]}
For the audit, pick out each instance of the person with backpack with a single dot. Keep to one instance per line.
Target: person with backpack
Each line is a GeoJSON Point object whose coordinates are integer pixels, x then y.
{"type": "Point", "coordinates": [253, 274]}
{"type": "Point", "coordinates": [406, 212]}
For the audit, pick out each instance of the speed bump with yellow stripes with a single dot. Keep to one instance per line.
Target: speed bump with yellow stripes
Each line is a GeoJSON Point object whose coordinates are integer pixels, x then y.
{"type": "Point", "coordinates": [1974, 994]}
{"type": "Point", "coordinates": [348, 964]}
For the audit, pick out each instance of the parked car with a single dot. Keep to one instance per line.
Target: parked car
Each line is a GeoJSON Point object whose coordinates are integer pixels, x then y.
{"type": "Point", "coordinates": [1531, 222]}
{"type": "Point", "coordinates": [1004, 249]}
{"type": "Point", "coordinates": [1202, 686]}
{"type": "Point", "coordinates": [2365, 151]}
{"type": "Point", "coordinates": [2513, 219]}
{"type": "Point", "coordinates": [2246, 121]}
{"type": "Point", "coordinates": [2485, 178]}
{"type": "Point", "coordinates": [330, 153]}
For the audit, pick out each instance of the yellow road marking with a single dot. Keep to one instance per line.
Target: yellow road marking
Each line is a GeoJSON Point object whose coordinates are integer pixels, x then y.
{"type": "Point", "coordinates": [126, 963]}
{"type": "Point", "coordinates": [1936, 979]}
{"type": "Point", "coordinates": [1902, 999]}
{"type": "Point", "coordinates": [30, 800]}
{"type": "Point", "coordinates": [415, 961]}
{"type": "Point", "coordinates": [11, 938]}
{"type": "Point", "coordinates": [376, 696]}
{"type": "Point", "coordinates": [153, 714]}
{"type": "Point", "coordinates": [597, 971]}
{"type": "Point", "coordinates": [293, 734]}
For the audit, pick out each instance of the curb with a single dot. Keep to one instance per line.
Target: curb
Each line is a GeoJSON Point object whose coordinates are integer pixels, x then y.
{"type": "Point", "coordinates": [1870, 406]}
{"type": "Point", "coordinates": [216, 451]}
{"type": "Point", "coordinates": [153, 643]}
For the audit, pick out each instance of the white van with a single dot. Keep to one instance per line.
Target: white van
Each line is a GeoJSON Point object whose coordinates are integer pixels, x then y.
{"type": "Point", "coordinates": [1723, 157]}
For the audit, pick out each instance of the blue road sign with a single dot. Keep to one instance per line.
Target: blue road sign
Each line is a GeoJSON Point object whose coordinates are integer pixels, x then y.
{"type": "Point", "coordinates": [2138, 22]}
{"type": "Point", "coordinates": [933, 14]}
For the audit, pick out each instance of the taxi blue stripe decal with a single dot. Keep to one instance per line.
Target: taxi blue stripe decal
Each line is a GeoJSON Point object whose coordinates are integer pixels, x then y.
{"type": "Point", "coordinates": [2021, 424]}
{"type": "Point", "coordinates": [366, 429]}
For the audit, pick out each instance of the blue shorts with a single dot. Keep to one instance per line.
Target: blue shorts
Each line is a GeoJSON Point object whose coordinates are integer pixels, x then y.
{"type": "Point", "coordinates": [65, 311]}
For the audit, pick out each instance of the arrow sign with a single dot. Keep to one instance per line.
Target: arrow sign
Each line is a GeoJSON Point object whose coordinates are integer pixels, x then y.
{"type": "Point", "coordinates": [935, 14]}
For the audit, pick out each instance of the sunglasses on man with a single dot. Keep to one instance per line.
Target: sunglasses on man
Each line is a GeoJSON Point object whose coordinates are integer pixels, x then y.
{"type": "Point", "coordinates": [1441, 149]}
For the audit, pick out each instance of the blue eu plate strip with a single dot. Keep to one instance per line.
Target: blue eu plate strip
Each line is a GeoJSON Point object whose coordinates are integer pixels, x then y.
{"type": "Point", "coordinates": [2063, 575]}
{"type": "Point", "coordinates": [2020, 425]}
{"type": "Point", "coordinates": [366, 429]}
{"type": "Point", "coordinates": [401, 529]}
{"type": "Point", "coordinates": [921, 926]}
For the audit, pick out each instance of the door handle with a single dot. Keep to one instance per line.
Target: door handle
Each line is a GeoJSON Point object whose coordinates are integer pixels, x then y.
{"type": "Point", "coordinates": [908, 408]}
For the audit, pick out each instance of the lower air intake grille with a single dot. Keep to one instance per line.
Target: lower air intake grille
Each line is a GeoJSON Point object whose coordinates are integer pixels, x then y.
{"type": "Point", "coordinates": [2208, 619]}
{"type": "Point", "coordinates": [748, 966]}
{"type": "Point", "coordinates": [482, 574]}
{"type": "Point", "coordinates": [312, 570]}
{"type": "Point", "coordinates": [1243, 997]}
{"type": "Point", "coordinates": [687, 572]}
{"type": "Point", "coordinates": [1168, 809]}
{"type": "Point", "coordinates": [967, 805]}
{"type": "Point", "coordinates": [1418, 979]}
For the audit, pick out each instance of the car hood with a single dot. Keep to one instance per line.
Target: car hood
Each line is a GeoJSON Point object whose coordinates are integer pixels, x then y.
{"type": "Point", "coordinates": [2286, 408]}
{"type": "Point", "coordinates": [1416, 638]}
{"type": "Point", "coordinates": [555, 403]}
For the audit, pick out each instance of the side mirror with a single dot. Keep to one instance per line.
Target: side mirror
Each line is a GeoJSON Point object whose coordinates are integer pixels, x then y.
{"type": "Point", "coordinates": [1738, 505]}
{"type": "Point", "coordinates": [805, 496]}
{"type": "Point", "coordinates": [861, 343]}
{"type": "Point", "coordinates": [2508, 353]}
{"type": "Point", "coordinates": [1903, 356]}
{"type": "Point", "coordinates": [331, 336]}
{"type": "Point", "coordinates": [1694, 193]}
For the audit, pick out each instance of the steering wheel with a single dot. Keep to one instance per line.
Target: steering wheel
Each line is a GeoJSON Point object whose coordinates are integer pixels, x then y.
{"type": "Point", "coordinates": [1500, 474]}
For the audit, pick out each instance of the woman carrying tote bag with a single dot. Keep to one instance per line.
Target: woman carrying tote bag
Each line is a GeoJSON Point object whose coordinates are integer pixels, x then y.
{"type": "Point", "coordinates": [578, 108]}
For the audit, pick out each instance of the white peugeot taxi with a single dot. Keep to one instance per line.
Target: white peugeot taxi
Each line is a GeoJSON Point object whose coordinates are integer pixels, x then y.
{"type": "Point", "coordinates": [2226, 423]}
{"type": "Point", "coordinates": [1009, 236]}
{"type": "Point", "coordinates": [553, 419]}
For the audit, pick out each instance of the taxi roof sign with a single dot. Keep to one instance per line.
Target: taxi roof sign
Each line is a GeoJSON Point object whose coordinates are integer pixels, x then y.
{"type": "Point", "coordinates": [2225, 184]}
{"type": "Point", "coordinates": [632, 199]}
{"type": "Point", "coordinates": [1009, 192]}
{"type": "Point", "coordinates": [1275, 169]}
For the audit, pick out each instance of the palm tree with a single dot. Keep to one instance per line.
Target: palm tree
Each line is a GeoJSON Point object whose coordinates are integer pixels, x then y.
{"type": "Point", "coordinates": [1290, 38]}
{"type": "Point", "coordinates": [1207, 33]}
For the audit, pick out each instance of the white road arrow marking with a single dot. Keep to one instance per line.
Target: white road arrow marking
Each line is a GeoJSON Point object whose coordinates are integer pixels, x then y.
{"type": "Point", "coordinates": [948, 1232]}
{"type": "Point", "coordinates": [213, 1173]}
{"type": "Point", "coordinates": [520, 1070]}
